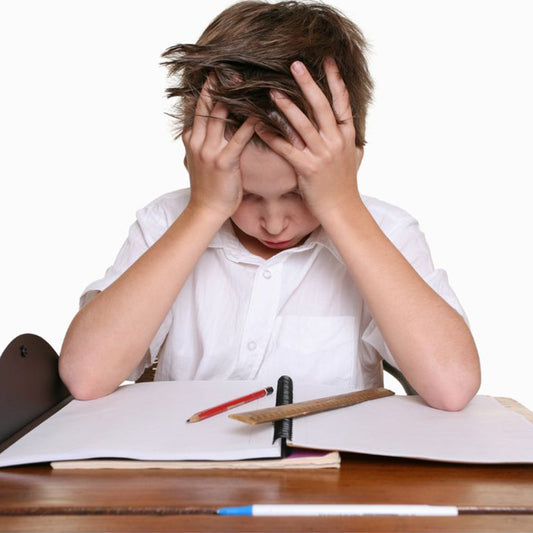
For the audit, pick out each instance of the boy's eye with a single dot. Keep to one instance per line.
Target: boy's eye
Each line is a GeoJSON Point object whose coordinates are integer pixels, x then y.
{"type": "Point", "coordinates": [249, 196]}
{"type": "Point", "coordinates": [294, 194]}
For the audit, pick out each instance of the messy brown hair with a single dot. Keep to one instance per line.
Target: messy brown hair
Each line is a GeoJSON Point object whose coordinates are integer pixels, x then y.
{"type": "Point", "coordinates": [249, 48]}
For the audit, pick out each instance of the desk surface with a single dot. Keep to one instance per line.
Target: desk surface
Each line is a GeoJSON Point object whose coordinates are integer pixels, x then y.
{"type": "Point", "coordinates": [37, 498]}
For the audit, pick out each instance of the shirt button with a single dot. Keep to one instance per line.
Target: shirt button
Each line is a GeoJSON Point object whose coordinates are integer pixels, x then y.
{"type": "Point", "coordinates": [252, 345]}
{"type": "Point", "coordinates": [267, 274]}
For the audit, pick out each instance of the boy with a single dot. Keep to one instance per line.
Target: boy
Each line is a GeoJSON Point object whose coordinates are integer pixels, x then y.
{"type": "Point", "coordinates": [272, 262]}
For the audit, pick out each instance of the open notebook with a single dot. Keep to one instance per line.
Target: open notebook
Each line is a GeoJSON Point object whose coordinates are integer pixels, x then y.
{"type": "Point", "coordinates": [147, 422]}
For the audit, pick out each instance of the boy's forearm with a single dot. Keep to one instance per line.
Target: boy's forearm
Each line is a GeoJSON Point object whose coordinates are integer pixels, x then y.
{"type": "Point", "coordinates": [110, 335]}
{"type": "Point", "coordinates": [429, 340]}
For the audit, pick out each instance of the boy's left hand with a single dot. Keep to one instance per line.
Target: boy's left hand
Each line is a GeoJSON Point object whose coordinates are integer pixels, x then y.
{"type": "Point", "coordinates": [327, 164]}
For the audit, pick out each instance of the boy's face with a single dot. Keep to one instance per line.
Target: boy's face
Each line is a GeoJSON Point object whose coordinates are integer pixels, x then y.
{"type": "Point", "coordinates": [272, 215]}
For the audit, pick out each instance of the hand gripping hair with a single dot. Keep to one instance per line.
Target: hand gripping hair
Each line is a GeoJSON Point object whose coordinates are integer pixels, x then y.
{"type": "Point", "coordinates": [249, 48]}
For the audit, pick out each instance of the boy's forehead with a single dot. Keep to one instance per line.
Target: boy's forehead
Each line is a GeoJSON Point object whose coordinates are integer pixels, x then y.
{"type": "Point", "coordinates": [261, 158]}
{"type": "Point", "coordinates": [265, 171]}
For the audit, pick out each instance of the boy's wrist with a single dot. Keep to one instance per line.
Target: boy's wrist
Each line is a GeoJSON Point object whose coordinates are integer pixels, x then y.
{"type": "Point", "coordinates": [350, 206]}
{"type": "Point", "coordinates": [207, 214]}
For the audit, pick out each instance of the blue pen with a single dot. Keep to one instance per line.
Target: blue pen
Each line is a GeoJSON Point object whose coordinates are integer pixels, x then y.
{"type": "Point", "coordinates": [340, 510]}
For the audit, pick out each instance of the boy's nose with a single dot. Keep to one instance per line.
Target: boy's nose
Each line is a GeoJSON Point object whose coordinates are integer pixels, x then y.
{"type": "Point", "coordinates": [274, 222]}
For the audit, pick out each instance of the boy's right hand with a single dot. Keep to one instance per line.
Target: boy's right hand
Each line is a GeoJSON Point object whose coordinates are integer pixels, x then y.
{"type": "Point", "coordinates": [213, 162]}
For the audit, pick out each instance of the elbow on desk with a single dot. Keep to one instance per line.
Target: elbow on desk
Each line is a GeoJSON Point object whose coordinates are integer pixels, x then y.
{"type": "Point", "coordinates": [455, 397]}
{"type": "Point", "coordinates": [450, 384]}
{"type": "Point", "coordinates": [81, 390]}
{"type": "Point", "coordinates": [77, 388]}
{"type": "Point", "coordinates": [81, 386]}
{"type": "Point", "coordinates": [456, 403]}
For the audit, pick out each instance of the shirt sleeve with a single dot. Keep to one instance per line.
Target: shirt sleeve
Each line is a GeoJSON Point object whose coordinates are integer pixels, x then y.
{"type": "Point", "coordinates": [411, 242]}
{"type": "Point", "coordinates": [144, 232]}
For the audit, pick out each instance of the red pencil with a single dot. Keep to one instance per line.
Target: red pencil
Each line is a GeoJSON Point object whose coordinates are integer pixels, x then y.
{"type": "Point", "coordinates": [230, 405]}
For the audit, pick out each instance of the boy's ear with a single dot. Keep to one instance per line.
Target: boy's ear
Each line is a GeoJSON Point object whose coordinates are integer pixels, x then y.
{"type": "Point", "coordinates": [185, 163]}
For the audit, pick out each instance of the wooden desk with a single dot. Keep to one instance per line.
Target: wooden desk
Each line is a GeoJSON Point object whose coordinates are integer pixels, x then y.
{"type": "Point", "coordinates": [37, 498]}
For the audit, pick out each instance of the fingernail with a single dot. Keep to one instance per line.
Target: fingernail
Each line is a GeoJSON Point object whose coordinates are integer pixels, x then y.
{"type": "Point", "coordinates": [298, 67]}
{"type": "Point", "coordinates": [274, 93]}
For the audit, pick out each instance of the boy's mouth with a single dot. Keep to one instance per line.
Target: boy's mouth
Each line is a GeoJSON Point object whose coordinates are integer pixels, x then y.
{"type": "Point", "coordinates": [279, 244]}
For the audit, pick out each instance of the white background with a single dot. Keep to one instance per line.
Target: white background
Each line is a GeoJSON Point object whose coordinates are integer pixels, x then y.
{"type": "Point", "coordinates": [85, 143]}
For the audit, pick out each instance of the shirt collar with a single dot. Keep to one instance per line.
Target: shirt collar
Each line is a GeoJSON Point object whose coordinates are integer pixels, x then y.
{"type": "Point", "coordinates": [226, 239]}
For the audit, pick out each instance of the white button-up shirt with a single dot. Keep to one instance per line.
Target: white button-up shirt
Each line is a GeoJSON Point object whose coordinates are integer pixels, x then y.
{"type": "Point", "coordinates": [299, 313]}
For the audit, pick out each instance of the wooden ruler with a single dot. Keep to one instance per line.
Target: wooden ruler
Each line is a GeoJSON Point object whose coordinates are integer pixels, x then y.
{"type": "Point", "coordinates": [309, 407]}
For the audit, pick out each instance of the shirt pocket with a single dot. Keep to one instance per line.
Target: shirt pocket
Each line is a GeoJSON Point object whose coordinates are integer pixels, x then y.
{"type": "Point", "coordinates": [316, 349]}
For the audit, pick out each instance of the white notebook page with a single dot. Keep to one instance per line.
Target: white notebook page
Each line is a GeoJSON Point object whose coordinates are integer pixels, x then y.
{"type": "Point", "coordinates": [148, 421]}
{"type": "Point", "coordinates": [404, 426]}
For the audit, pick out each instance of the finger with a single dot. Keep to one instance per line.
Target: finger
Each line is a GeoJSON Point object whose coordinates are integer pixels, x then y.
{"type": "Point", "coordinates": [241, 138]}
{"type": "Point", "coordinates": [295, 139]}
{"type": "Point", "coordinates": [203, 108]}
{"type": "Point", "coordinates": [298, 120]}
{"type": "Point", "coordinates": [339, 93]}
{"type": "Point", "coordinates": [322, 111]}
{"type": "Point", "coordinates": [216, 125]}
{"type": "Point", "coordinates": [279, 145]}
